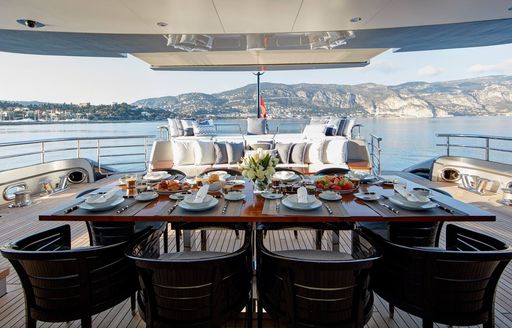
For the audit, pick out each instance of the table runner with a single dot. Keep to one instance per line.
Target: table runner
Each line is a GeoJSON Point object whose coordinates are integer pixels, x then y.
{"type": "Point", "coordinates": [269, 207]}
{"type": "Point", "coordinates": [234, 209]}
{"type": "Point", "coordinates": [385, 212]}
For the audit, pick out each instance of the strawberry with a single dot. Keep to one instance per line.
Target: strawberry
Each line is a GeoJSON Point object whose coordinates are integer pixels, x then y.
{"type": "Point", "coordinates": [337, 188]}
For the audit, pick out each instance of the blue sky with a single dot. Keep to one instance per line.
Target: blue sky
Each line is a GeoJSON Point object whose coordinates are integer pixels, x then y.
{"type": "Point", "coordinates": [106, 80]}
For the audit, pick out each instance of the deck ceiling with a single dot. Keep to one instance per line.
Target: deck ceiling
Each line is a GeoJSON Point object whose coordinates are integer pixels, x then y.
{"type": "Point", "coordinates": [115, 28]}
{"type": "Point", "coordinates": [243, 16]}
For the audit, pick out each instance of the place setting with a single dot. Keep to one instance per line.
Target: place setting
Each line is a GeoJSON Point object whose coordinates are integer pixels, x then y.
{"type": "Point", "coordinates": [404, 202]}
{"type": "Point", "coordinates": [303, 203]}
{"type": "Point", "coordinates": [202, 203]}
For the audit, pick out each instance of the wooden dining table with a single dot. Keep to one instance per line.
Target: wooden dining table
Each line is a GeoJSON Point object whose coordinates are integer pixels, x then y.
{"type": "Point", "coordinates": [351, 209]}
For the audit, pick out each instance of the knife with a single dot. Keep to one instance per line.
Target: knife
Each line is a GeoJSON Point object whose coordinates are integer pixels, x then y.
{"type": "Point", "coordinates": [173, 207]}
{"type": "Point", "coordinates": [278, 204]}
{"type": "Point", "coordinates": [389, 207]}
{"type": "Point", "coordinates": [124, 208]}
{"type": "Point", "coordinates": [71, 209]}
{"type": "Point", "coordinates": [329, 210]}
{"type": "Point", "coordinates": [442, 207]}
{"type": "Point", "coordinates": [225, 208]}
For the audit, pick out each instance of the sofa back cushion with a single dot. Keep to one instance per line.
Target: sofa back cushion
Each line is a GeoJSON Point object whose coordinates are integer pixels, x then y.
{"type": "Point", "coordinates": [173, 127]}
{"type": "Point", "coordinates": [284, 151]}
{"type": "Point", "coordinates": [221, 153]}
{"type": "Point", "coordinates": [235, 151]}
{"type": "Point", "coordinates": [188, 127]}
{"type": "Point", "coordinates": [347, 128]}
{"type": "Point", "coordinates": [314, 153]}
{"type": "Point", "coordinates": [204, 152]}
{"type": "Point", "coordinates": [265, 145]}
{"type": "Point", "coordinates": [183, 152]}
{"type": "Point", "coordinates": [298, 153]}
{"type": "Point", "coordinates": [313, 130]}
{"type": "Point", "coordinates": [256, 125]}
{"type": "Point", "coordinates": [335, 151]}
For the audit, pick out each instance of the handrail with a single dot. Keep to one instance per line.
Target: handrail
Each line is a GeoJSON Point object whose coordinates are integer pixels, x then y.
{"type": "Point", "coordinates": [375, 152]}
{"type": "Point", "coordinates": [80, 147]}
{"type": "Point", "coordinates": [487, 147]}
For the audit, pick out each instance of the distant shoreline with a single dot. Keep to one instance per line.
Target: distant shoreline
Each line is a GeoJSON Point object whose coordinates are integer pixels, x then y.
{"type": "Point", "coordinates": [71, 122]}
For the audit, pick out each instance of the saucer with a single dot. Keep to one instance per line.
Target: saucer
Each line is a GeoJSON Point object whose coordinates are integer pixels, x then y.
{"type": "Point", "coordinates": [329, 196]}
{"type": "Point", "coordinates": [236, 195]}
{"type": "Point", "coordinates": [269, 195]}
{"type": "Point", "coordinates": [367, 196]}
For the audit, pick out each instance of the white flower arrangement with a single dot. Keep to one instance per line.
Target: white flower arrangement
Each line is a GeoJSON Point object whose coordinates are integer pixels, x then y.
{"type": "Point", "coordinates": [259, 165]}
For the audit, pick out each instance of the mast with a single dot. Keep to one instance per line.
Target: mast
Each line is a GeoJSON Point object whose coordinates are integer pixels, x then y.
{"type": "Point", "coordinates": [258, 95]}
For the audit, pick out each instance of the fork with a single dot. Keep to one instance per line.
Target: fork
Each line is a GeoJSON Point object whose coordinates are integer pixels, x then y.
{"type": "Point", "coordinates": [329, 210]}
{"type": "Point", "coordinates": [124, 208]}
{"type": "Point", "coordinates": [225, 208]}
{"type": "Point", "coordinates": [173, 207]}
{"type": "Point", "coordinates": [392, 209]}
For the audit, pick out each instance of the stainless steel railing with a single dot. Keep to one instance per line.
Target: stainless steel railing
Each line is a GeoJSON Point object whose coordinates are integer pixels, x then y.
{"type": "Point", "coordinates": [487, 147]}
{"type": "Point", "coordinates": [136, 145]}
{"type": "Point", "coordinates": [374, 145]}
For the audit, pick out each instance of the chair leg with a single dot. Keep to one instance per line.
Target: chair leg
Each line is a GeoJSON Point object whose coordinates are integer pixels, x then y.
{"type": "Point", "coordinates": [30, 322]}
{"type": "Point", "coordinates": [260, 314]}
{"type": "Point", "coordinates": [490, 323]}
{"type": "Point", "coordinates": [264, 233]}
{"type": "Point", "coordinates": [86, 322]}
{"type": "Point", "coordinates": [249, 311]}
{"type": "Point", "coordinates": [166, 239]}
{"type": "Point", "coordinates": [237, 234]}
{"type": "Point", "coordinates": [427, 324]}
{"type": "Point", "coordinates": [178, 237]}
{"type": "Point", "coordinates": [296, 234]}
{"type": "Point", "coordinates": [391, 310]}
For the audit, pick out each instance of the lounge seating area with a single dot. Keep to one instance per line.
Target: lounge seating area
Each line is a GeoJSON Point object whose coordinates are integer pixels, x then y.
{"type": "Point", "coordinates": [321, 144]}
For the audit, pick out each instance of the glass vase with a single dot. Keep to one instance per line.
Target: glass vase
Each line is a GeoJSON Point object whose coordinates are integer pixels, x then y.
{"type": "Point", "coordinates": [260, 186]}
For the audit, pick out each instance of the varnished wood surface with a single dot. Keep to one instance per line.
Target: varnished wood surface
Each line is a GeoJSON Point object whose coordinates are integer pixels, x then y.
{"type": "Point", "coordinates": [252, 211]}
{"type": "Point", "coordinates": [16, 223]}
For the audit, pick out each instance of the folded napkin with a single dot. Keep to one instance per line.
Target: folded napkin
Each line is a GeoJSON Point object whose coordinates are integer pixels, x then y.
{"type": "Point", "coordinates": [406, 194]}
{"type": "Point", "coordinates": [103, 198]}
{"type": "Point", "coordinates": [201, 194]}
{"type": "Point", "coordinates": [302, 195]}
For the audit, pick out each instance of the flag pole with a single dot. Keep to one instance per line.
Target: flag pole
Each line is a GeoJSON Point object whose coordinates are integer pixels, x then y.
{"type": "Point", "coordinates": [258, 74]}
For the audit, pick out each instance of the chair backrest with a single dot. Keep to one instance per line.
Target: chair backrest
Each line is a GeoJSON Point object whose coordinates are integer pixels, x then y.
{"type": "Point", "coordinates": [454, 286]}
{"type": "Point", "coordinates": [109, 233]}
{"type": "Point", "coordinates": [230, 171]}
{"type": "Point", "coordinates": [63, 284]}
{"type": "Point", "coordinates": [191, 292]}
{"type": "Point", "coordinates": [308, 293]}
{"type": "Point", "coordinates": [415, 234]}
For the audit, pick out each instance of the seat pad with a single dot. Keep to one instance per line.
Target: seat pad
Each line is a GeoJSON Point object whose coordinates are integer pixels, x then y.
{"type": "Point", "coordinates": [199, 255]}
{"type": "Point", "coordinates": [315, 255]}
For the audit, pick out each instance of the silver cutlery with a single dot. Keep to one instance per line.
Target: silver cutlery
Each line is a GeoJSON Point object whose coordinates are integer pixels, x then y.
{"type": "Point", "coordinates": [71, 209]}
{"type": "Point", "coordinates": [392, 209]}
{"type": "Point", "coordinates": [124, 208]}
{"type": "Point", "coordinates": [278, 205]}
{"type": "Point", "coordinates": [225, 207]}
{"type": "Point", "coordinates": [173, 207]}
{"type": "Point", "coordinates": [442, 207]}
{"type": "Point", "coordinates": [329, 210]}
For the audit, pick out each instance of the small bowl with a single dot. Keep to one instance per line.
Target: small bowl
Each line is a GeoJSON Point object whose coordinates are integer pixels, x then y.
{"type": "Point", "coordinates": [216, 186]}
{"type": "Point", "coordinates": [421, 192]}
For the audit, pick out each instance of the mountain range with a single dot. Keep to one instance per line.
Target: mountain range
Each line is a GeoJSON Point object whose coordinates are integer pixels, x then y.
{"type": "Point", "coordinates": [491, 95]}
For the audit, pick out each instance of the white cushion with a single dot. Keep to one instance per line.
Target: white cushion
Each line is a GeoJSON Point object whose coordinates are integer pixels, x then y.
{"type": "Point", "coordinates": [187, 124]}
{"type": "Point", "coordinates": [347, 129]}
{"type": "Point", "coordinates": [313, 130]}
{"type": "Point", "coordinates": [314, 152]}
{"type": "Point", "coordinates": [336, 151]}
{"type": "Point", "coordinates": [183, 152]}
{"type": "Point", "coordinates": [204, 152]}
{"type": "Point", "coordinates": [173, 127]}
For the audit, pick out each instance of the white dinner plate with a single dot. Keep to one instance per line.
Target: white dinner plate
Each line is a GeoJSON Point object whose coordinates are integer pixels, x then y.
{"type": "Point", "coordinates": [177, 196]}
{"type": "Point", "coordinates": [189, 199]}
{"type": "Point", "coordinates": [399, 201]}
{"type": "Point", "coordinates": [198, 207]}
{"type": "Point", "coordinates": [285, 176]}
{"type": "Point", "coordinates": [291, 202]}
{"type": "Point", "coordinates": [236, 182]}
{"type": "Point", "coordinates": [101, 207]}
{"type": "Point", "coordinates": [234, 196]}
{"type": "Point", "coordinates": [146, 196]}
{"type": "Point", "coordinates": [367, 196]}
{"type": "Point", "coordinates": [270, 195]}
{"type": "Point", "coordinates": [223, 175]}
{"type": "Point", "coordinates": [152, 177]}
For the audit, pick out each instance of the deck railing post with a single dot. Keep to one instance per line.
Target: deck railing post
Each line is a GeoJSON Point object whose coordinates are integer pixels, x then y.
{"type": "Point", "coordinates": [42, 153]}
{"type": "Point", "coordinates": [145, 153]}
{"type": "Point", "coordinates": [447, 145]}
{"type": "Point", "coordinates": [78, 148]}
{"type": "Point", "coordinates": [98, 154]}
{"type": "Point", "coordinates": [487, 149]}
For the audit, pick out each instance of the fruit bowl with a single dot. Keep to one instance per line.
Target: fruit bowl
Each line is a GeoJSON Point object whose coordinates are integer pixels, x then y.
{"type": "Point", "coordinates": [335, 183]}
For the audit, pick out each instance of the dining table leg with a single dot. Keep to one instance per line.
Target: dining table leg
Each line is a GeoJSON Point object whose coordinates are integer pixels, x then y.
{"type": "Point", "coordinates": [187, 240]}
{"type": "Point", "coordinates": [335, 240]}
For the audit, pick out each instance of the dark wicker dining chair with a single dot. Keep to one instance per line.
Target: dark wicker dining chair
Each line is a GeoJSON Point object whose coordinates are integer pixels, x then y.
{"type": "Point", "coordinates": [230, 171]}
{"type": "Point", "coordinates": [63, 284]}
{"type": "Point", "coordinates": [452, 286]}
{"type": "Point", "coordinates": [313, 288]}
{"type": "Point", "coordinates": [332, 171]}
{"type": "Point", "coordinates": [192, 289]}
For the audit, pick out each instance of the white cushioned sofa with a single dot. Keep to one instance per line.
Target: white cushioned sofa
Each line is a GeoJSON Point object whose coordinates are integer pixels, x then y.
{"type": "Point", "coordinates": [310, 149]}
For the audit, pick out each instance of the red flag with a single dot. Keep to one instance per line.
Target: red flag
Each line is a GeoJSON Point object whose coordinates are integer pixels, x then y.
{"type": "Point", "coordinates": [263, 108]}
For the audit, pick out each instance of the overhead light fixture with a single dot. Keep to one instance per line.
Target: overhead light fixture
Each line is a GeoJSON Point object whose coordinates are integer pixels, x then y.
{"type": "Point", "coordinates": [356, 19]}
{"type": "Point", "coordinates": [329, 40]}
{"type": "Point", "coordinates": [162, 24]}
{"type": "Point", "coordinates": [256, 42]}
{"type": "Point", "coordinates": [190, 42]}
{"type": "Point", "coordinates": [30, 23]}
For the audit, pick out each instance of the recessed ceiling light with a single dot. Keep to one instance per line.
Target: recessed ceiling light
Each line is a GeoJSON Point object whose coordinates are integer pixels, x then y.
{"type": "Point", "coordinates": [356, 19]}
{"type": "Point", "coordinates": [30, 23]}
{"type": "Point", "coordinates": [161, 24]}
{"type": "Point", "coordinates": [509, 8]}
